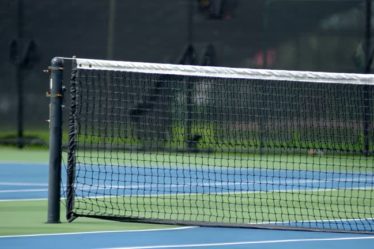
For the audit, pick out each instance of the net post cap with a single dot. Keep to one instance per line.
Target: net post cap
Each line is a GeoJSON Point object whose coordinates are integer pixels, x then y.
{"type": "Point", "coordinates": [57, 61]}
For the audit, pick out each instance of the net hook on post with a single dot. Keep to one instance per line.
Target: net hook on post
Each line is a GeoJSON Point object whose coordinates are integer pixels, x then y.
{"type": "Point", "coordinates": [55, 138]}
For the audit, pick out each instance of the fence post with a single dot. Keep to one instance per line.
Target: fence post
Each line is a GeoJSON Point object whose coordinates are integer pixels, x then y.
{"type": "Point", "coordinates": [368, 62]}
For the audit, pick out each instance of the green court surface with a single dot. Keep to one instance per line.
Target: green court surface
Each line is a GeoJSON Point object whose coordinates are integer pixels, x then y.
{"type": "Point", "coordinates": [9, 154]}
{"type": "Point", "coordinates": [30, 216]}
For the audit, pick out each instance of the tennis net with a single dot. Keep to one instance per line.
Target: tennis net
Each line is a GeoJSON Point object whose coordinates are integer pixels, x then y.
{"type": "Point", "coordinates": [221, 146]}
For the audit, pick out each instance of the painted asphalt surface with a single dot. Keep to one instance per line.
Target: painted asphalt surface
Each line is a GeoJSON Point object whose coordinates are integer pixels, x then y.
{"type": "Point", "coordinates": [23, 181]}
{"type": "Point", "coordinates": [193, 238]}
{"type": "Point", "coordinates": [173, 180]}
{"type": "Point", "coordinates": [29, 181]}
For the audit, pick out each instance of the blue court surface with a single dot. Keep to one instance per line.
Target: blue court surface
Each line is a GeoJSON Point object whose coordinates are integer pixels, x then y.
{"type": "Point", "coordinates": [29, 181]}
{"type": "Point", "coordinates": [179, 179]}
{"type": "Point", "coordinates": [192, 237]}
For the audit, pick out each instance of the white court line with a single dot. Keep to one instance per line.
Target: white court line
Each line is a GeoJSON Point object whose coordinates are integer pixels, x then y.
{"type": "Point", "coordinates": [24, 190]}
{"type": "Point", "coordinates": [244, 243]}
{"type": "Point", "coordinates": [98, 232]}
{"type": "Point", "coordinates": [24, 184]}
{"type": "Point", "coordinates": [19, 200]}
{"type": "Point", "coordinates": [313, 221]}
{"type": "Point", "coordinates": [79, 190]}
{"type": "Point", "coordinates": [180, 194]}
{"type": "Point", "coordinates": [294, 182]}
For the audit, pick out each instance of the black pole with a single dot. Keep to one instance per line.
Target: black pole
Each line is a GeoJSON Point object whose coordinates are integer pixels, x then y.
{"type": "Point", "coordinates": [20, 96]}
{"type": "Point", "coordinates": [264, 35]}
{"type": "Point", "coordinates": [111, 27]}
{"type": "Point", "coordinates": [368, 52]}
{"type": "Point", "coordinates": [188, 59]}
{"type": "Point", "coordinates": [55, 141]}
{"type": "Point", "coordinates": [19, 75]}
{"type": "Point", "coordinates": [264, 47]}
{"type": "Point", "coordinates": [190, 22]}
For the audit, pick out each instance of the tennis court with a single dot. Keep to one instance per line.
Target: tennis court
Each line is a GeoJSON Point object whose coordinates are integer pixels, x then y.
{"type": "Point", "coordinates": [146, 149]}
{"type": "Point", "coordinates": [31, 185]}
{"type": "Point", "coordinates": [189, 124]}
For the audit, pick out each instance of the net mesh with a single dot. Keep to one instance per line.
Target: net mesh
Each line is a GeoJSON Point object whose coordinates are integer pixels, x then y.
{"type": "Point", "coordinates": [177, 145]}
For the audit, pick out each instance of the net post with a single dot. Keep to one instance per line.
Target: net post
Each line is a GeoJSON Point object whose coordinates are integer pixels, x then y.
{"type": "Point", "coordinates": [55, 139]}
